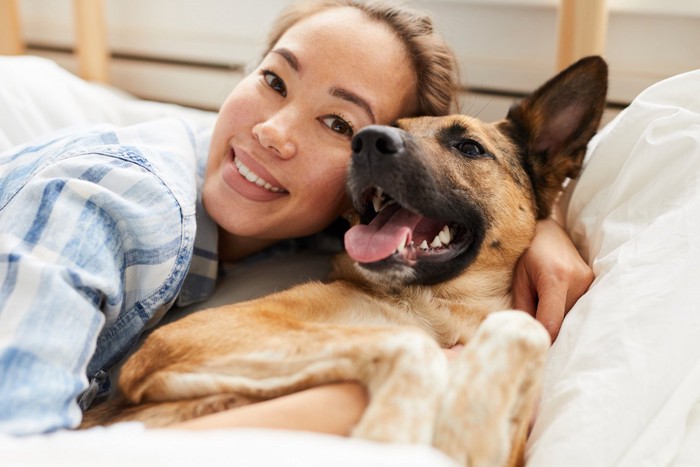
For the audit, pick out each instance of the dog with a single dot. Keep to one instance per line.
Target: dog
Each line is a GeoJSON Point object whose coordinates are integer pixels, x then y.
{"type": "Point", "coordinates": [445, 206]}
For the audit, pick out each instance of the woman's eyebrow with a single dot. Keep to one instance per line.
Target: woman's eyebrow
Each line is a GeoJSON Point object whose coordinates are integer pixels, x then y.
{"type": "Point", "coordinates": [289, 56]}
{"type": "Point", "coordinates": [355, 99]}
{"type": "Point", "coordinates": [341, 93]}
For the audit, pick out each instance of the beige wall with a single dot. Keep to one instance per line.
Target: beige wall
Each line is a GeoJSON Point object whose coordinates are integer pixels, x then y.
{"type": "Point", "coordinates": [506, 47]}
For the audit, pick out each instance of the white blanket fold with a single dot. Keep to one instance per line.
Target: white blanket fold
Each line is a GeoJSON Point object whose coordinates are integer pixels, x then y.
{"type": "Point", "coordinates": [624, 374]}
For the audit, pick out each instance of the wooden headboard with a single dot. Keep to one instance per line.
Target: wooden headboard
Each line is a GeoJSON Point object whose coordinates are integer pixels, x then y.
{"type": "Point", "coordinates": [581, 32]}
{"type": "Point", "coordinates": [90, 32]}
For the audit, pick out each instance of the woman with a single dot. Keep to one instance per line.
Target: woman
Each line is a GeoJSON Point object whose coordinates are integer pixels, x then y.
{"type": "Point", "coordinates": [98, 228]}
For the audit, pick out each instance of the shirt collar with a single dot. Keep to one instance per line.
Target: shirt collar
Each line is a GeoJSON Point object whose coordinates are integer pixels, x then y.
{"type": "Point", "coordinates": [203, 272]}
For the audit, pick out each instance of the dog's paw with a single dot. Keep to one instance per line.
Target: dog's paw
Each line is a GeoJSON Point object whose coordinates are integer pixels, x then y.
{"type": "Point", "coordinates": [495, 381]}
{"type": "Point", "coordinates": [516, 330]}
{"type": "Point", "coordinates": [407, 375]}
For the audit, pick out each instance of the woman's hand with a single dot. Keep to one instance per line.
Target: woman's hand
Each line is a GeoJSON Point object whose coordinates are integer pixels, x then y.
{"type": "Point", "coordinates": [550, 276]}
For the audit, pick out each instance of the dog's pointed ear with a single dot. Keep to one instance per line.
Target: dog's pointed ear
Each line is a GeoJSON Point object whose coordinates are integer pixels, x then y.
{"type": "Point", "coordinates": [555, 123]}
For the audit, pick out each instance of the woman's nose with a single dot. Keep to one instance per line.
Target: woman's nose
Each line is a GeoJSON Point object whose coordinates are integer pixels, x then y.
{"type": "Point", "coordinates": [274, 135]}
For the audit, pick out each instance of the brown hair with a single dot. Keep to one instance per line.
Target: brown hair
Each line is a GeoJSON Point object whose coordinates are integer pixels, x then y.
{"type": "Point", "coordinates": [433, 61]}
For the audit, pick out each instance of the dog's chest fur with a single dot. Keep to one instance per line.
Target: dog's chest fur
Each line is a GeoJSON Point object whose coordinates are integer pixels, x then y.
{"type": "Point", "coordinates": [449, 312]}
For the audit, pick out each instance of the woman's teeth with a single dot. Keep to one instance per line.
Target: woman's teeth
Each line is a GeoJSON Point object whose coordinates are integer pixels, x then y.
{"type": "Point", "coordinates": [252, 177]}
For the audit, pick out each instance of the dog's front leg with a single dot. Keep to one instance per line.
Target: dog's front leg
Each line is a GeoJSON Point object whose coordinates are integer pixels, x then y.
{"type": "Point", "coordinates": [406, 374]}
{"type": "Point", "coordinates": [279, 344]}
{"type": "Point", "coordinates": [494, 385]}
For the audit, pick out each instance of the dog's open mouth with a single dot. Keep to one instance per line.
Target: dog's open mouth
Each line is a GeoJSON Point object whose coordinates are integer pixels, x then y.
{"type": "Point", "coordinates": [389, 231]}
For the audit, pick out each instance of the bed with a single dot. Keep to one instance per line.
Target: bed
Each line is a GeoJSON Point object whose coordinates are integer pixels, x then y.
{"type": "Point", "coordinates": [623, 379]}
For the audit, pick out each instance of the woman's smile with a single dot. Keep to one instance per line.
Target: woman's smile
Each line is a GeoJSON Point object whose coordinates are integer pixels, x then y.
{"type": "Point", "coordinates": [249, 179]}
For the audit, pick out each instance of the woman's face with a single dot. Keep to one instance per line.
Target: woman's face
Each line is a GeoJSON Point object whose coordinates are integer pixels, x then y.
{"type": "Point", "coordinates": [281, 144]}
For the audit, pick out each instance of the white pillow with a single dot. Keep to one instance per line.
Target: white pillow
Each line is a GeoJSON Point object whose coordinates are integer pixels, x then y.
{"type": "Point", "coordinates": [37, 96]}
{"type": "Point", "coordinates": [624, 374]}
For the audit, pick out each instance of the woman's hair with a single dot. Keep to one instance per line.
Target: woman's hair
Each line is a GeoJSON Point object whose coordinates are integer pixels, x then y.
{"type": "Point", "coordinates": [433, 61]}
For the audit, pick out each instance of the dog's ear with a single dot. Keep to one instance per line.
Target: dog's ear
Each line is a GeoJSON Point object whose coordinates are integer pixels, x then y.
{"type": "Point", "coordinates": [555, 123]}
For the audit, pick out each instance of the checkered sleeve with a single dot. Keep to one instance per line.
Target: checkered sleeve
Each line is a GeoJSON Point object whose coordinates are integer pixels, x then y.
{"type": "Point", "coordinates": [95, 241]}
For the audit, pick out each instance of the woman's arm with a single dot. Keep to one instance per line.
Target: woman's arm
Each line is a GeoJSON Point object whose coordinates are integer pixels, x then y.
{"type": "Point", "coordinates": [332, 408]}
{"type": "Point", "coordinates": [550, 276]}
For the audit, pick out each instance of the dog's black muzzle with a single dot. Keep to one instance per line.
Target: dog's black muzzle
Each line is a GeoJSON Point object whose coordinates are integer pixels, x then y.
{"type": "Point", "coordinates": [388, 157]}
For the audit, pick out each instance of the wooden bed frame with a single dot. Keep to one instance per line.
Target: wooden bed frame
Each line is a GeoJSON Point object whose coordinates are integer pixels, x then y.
{"type": "Point", "coordinates": [91, 36]}
{"type": "Point", "coordinates": [582, 31]}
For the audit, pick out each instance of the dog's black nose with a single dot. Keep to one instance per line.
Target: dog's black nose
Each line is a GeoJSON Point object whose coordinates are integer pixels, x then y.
{"type": "Point", "coordinates": [377, 139]}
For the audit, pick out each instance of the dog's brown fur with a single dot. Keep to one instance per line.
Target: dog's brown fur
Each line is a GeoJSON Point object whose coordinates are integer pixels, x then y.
{"type": "Point", "coordinates": [383, 324]}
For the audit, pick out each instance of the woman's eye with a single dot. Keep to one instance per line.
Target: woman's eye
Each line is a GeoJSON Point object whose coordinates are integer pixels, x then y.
{"type": "Point", "coordinates": [275, 82]}
{"type": "Point", "coordinates": [338, 125]}
{"type": "Point", "coordinates": [470, 148]}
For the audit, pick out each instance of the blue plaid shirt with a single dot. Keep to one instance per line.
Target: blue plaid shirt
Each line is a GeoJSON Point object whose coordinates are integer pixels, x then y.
{"type": "Point", "coordinates": [97, 235]}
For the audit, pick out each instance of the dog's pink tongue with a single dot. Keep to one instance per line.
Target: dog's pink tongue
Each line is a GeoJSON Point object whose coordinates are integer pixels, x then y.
{"type": "Point", "coordinates": [380, 238]}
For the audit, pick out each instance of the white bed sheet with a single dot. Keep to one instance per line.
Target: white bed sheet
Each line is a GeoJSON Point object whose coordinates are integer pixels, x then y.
{"type": "Point", "coordinates": [623, 379]}
{"type": "Point", "coordinates": [131, 445]}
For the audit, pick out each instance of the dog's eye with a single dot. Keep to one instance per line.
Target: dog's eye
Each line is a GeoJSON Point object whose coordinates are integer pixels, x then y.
{"type": "Point", "coordinates": [470, 148]}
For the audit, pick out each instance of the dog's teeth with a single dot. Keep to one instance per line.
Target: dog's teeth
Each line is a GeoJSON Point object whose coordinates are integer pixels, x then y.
{"type": "Point", "coordinates": [378, 200]}
{"type": "Point", "coordinates": [377, 203]}
{"type": "Point", "coordinates": [402, 245]}
{"type": "Point", "coordinates": [424, 245]}
{"type": "Point", "coordinates": [436, 242]}
{"type": "Point", "coordinates": [445, 236]}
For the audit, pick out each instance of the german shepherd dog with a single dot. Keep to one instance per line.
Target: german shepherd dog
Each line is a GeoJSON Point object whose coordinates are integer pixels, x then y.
{"type": "Point", "coordinates": [445, 207]}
